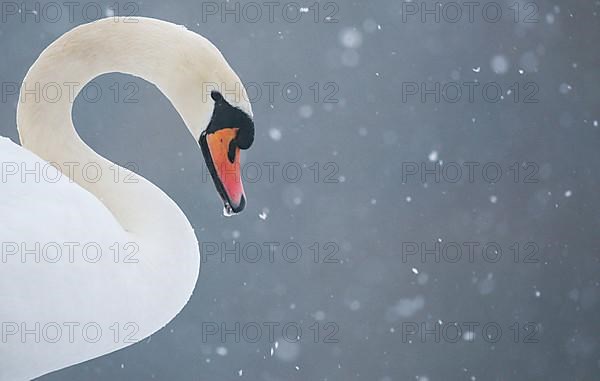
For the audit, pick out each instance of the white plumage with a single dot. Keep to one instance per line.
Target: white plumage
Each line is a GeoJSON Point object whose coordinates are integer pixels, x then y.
{"type": "Point", "coordinates": [149, 258]}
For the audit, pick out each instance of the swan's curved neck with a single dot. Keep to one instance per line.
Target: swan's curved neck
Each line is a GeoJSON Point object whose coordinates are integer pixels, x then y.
{"type": "Point", "coordinates": [182, 64]}
{"type": "Point", "coordinates": [185, 67]}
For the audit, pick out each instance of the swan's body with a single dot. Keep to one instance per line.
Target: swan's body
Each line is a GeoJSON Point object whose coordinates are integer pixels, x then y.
{"type": "Point", "coordinates": [118, 213]}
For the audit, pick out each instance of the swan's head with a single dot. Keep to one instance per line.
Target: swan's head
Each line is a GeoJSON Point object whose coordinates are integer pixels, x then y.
{"type": "Point", "coordinates": [230, 130]}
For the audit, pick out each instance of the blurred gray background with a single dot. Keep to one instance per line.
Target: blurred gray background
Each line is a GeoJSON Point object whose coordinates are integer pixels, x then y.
{"type": "Point", "coordinates": [365, 130]}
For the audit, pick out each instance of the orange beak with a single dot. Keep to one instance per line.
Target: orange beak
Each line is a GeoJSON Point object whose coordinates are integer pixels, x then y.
{"type": "Point", "coordinates": [222, 157]}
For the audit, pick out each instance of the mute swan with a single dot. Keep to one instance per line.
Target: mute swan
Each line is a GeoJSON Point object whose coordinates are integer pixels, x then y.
{"type": "Point", "coordinates": [94, 262]}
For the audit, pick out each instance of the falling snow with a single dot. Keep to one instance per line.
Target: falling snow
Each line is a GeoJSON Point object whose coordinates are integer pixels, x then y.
{"type": "Point", "coordinates": [275, 134]}
{"type": "Point", "coordinates": [499, 64]}
{"type": "Point", "coordinates": [433, 156]}
{"type": "Point", "coordinates": [351, 38]}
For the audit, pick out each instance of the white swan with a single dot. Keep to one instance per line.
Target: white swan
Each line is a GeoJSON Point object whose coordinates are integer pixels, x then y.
{"type": "Point", "coordinates": [97, 259]}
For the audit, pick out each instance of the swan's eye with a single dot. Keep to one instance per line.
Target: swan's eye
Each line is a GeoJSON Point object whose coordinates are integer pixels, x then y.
{"type": "Point", "coordinates": [233, 148]}
{"type": "Point", "coordinates": [222, 156]}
